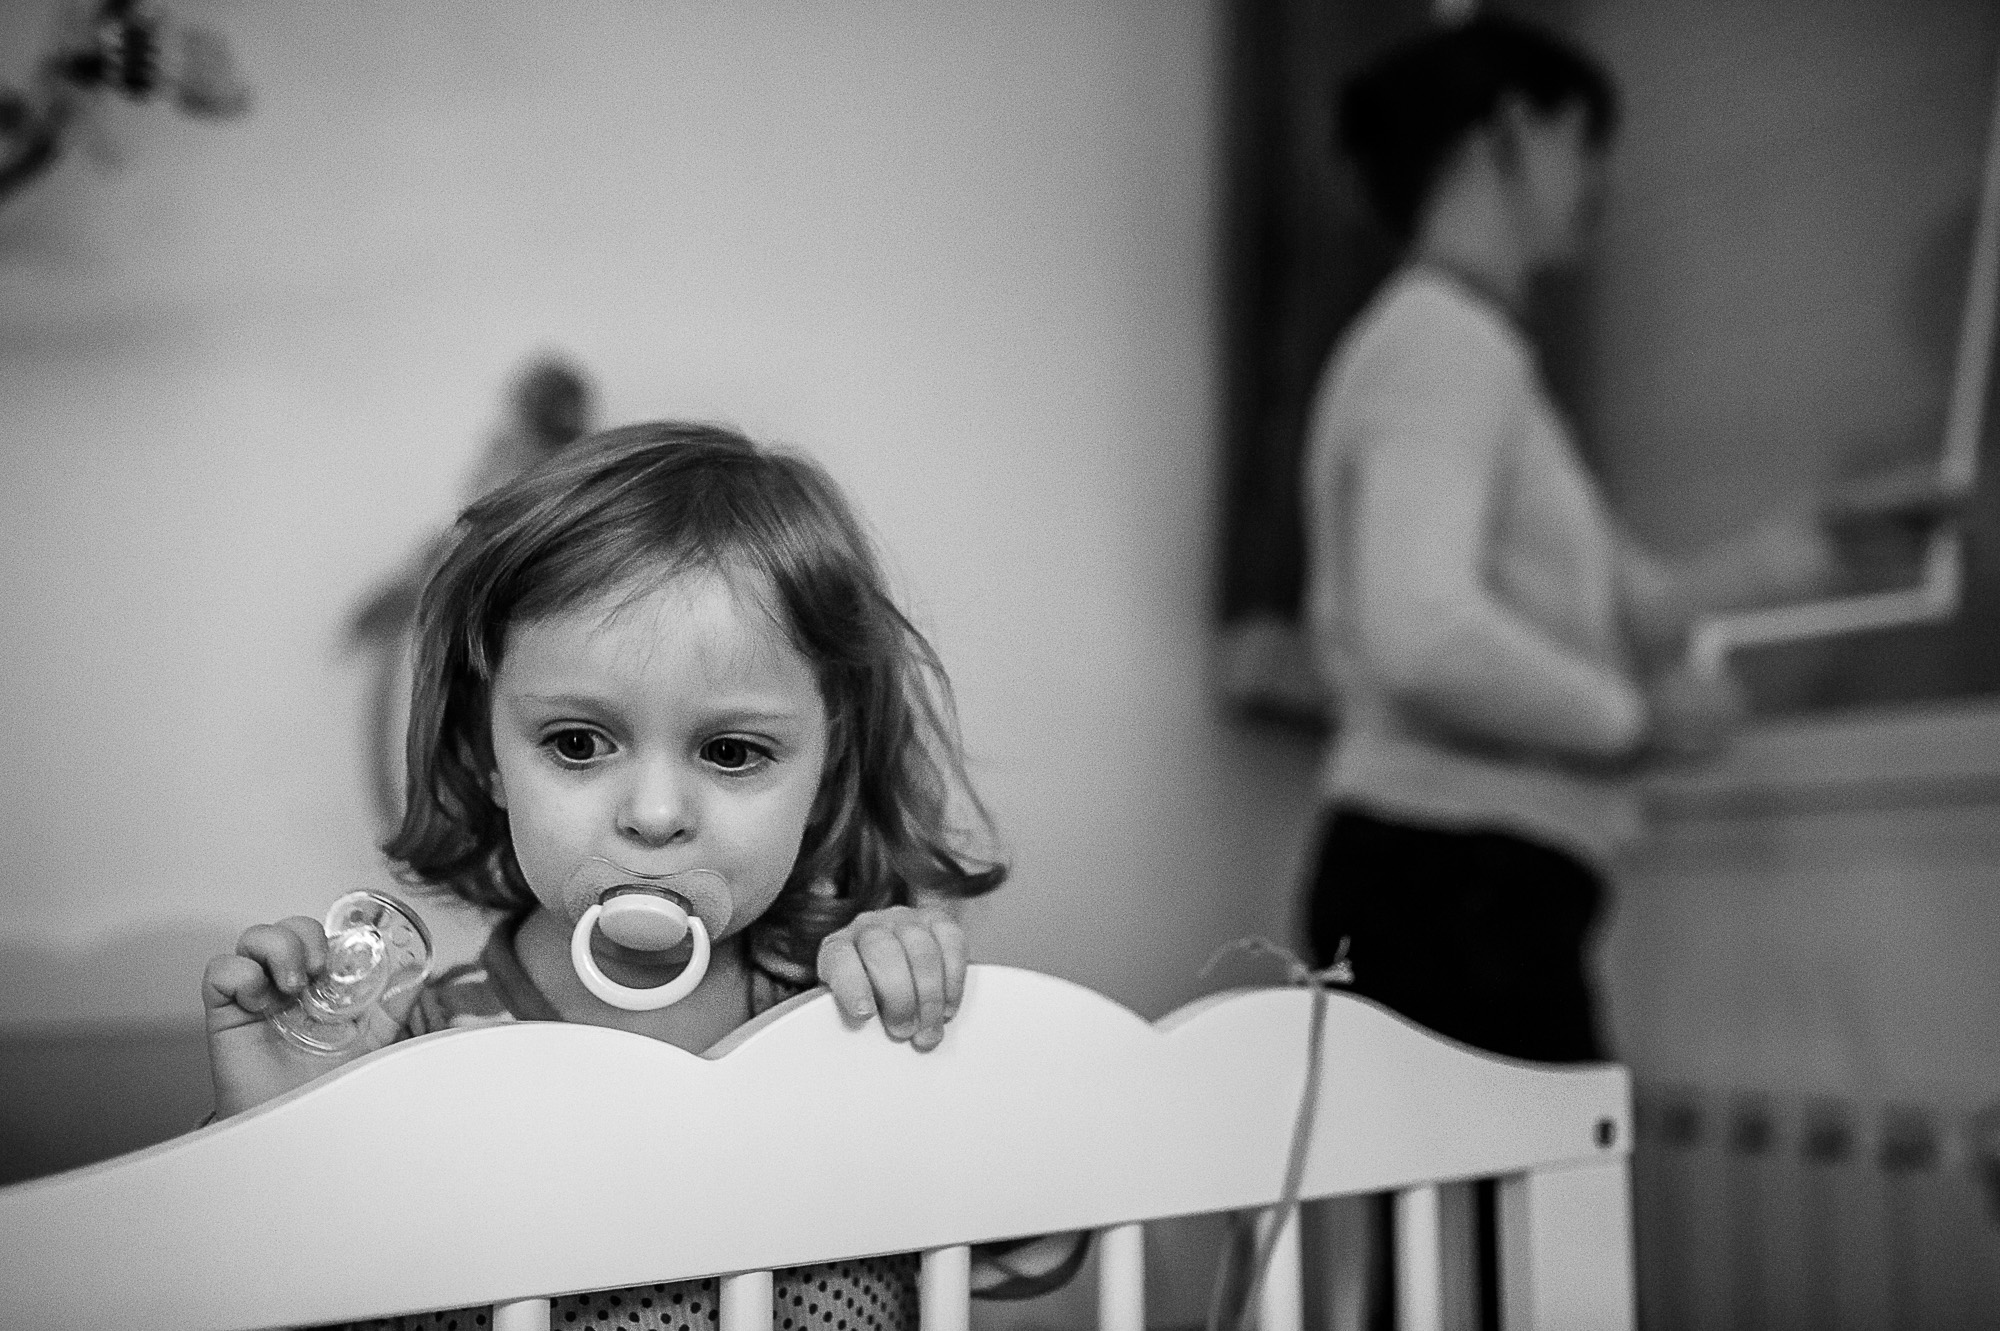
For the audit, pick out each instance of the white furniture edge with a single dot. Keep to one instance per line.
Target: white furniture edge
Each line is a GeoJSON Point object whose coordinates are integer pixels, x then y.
{"type": "Point", "coordinates": [434, 1173]}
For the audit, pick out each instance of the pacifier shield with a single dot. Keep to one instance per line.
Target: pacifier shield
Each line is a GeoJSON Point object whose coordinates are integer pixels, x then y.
{"type": "Point", "coordinates": [377, 949]}
{"type": "Point", "coordinates": [598, 881]}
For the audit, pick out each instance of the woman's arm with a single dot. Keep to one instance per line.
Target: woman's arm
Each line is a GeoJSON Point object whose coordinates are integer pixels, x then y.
{"type": "Point", "coordinates": [1793, 555]}
{"type": "Point", "coordinates": [1428, 625]}
{"type": "Point", "coordinates": [1788, 556]}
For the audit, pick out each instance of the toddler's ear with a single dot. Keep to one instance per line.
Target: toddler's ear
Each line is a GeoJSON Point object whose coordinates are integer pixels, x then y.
{"type": "Point", "coordinates": [496, 788]}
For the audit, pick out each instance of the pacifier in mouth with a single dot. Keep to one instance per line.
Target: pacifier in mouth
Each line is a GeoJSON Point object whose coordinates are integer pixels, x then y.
{"type": "Point", "coordinates": [647, 914]}
{"type": "Point", "coordinates": [377, 948]}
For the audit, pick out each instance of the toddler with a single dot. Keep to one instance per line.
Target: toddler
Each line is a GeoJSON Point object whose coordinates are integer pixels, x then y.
{"type": "Point", "coordinates": [668, 724]}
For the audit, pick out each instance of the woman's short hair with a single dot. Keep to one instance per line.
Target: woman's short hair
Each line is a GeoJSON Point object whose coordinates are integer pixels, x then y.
{"type": "Point", "coordinates": [1403, 115]}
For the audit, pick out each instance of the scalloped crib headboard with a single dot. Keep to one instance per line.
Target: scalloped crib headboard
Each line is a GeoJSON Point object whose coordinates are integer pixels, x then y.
{"type": "Point", "coordinates": [1048, 1107]}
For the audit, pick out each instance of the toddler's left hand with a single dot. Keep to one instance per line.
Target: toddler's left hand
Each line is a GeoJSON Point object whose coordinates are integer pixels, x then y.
{"type": "Point", "coordinates": [909, 963]}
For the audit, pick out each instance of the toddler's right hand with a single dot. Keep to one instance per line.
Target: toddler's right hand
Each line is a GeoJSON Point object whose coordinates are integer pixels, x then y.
{"type": "Point", "coordinates": [249, 1059]}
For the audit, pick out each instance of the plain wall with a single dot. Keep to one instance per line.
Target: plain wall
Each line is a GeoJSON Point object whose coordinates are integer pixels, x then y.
{"type": "Point", "coordinates": [1775, 299]}
{"type": "Point", "coordinates": [1775, 292]}
{"type": "Point", "coordinates": [963, 254]}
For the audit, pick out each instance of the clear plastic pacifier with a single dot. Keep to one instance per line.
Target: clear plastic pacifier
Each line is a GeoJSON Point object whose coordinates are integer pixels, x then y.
{"type": "Point", "coordinates": [647, 915]}
{"type": "Point", "coordinates": [377, 949]}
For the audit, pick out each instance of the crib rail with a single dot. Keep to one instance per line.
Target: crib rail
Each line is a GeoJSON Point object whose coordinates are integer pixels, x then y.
{"type": "Point", "coordinates": [506, 1165]}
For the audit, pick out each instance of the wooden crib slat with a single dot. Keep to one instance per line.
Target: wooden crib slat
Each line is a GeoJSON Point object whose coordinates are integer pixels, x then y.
{"type": "Point", "coordinates": [1419, 1259]}
{"type": "Point", "coordinates": [1280, 1299]}
{"type": "Point", "coordinates": [746, 1301]}
{"type": "Point", "coordinates": [945, 1289]}
{"type": "Point", "coordinates": [521, 1315]}
{"type": "Point", "coordinates": [1566, 1249]}
{"type": "Point", "coordinates": [1437, 1283]}
{"type": "Point", "coordinates": [1458, 1236]}
{"type": "Point", "coordinates": [1121, 1278]}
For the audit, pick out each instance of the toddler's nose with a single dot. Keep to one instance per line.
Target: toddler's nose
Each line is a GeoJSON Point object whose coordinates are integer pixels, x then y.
{"type": "Point", "coordinates": [658, 808]}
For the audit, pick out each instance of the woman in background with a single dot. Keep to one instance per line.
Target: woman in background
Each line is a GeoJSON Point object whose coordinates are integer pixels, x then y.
{"type": "Point", "coordinates": [1503, 658]}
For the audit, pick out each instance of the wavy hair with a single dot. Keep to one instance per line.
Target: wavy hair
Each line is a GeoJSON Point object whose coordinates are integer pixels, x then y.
{"type": "Point", "coordinates": [641, 504]}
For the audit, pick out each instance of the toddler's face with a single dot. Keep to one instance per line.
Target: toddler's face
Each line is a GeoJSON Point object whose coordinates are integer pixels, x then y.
{"type": "Point", "coordinates": [674, 730]}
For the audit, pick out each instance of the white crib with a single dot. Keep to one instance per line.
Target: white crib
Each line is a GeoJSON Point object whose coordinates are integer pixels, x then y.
{"type": "Point", "coordinates": [1047, 1108]}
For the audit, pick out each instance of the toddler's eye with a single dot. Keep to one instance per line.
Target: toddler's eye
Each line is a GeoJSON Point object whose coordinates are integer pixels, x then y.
{"type": "Point", "coordinates": [574, 746]}
{"type": "Point", "coordinates": [731, 754]}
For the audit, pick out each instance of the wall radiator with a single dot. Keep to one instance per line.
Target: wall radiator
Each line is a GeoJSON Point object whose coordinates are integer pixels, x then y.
{"type": "Point", "coordinates": [1758, 1211]}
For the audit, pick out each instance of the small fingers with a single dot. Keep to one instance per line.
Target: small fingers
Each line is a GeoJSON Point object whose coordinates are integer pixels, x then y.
{"type": "Point", "coordinates": [927, 971]}
{"type": "Point", "coordinates": [882, 953]}
{"type": "Point", "coordinates": [238, 982]}
{"type": "Point", "coordinates": [951, 944]}
{"type": "Point", "coordinates": [312, 934]}
{"type": "Point", "coordinates": [907, 964]}
{"type": "Point", "coordinates": [290, 951]}
{"type": "Point", "coordinates": [841, 971]}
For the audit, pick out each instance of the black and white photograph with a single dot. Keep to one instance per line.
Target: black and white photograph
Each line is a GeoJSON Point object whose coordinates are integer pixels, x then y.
{"type": "Point", "coordinates": [1051, 665]}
